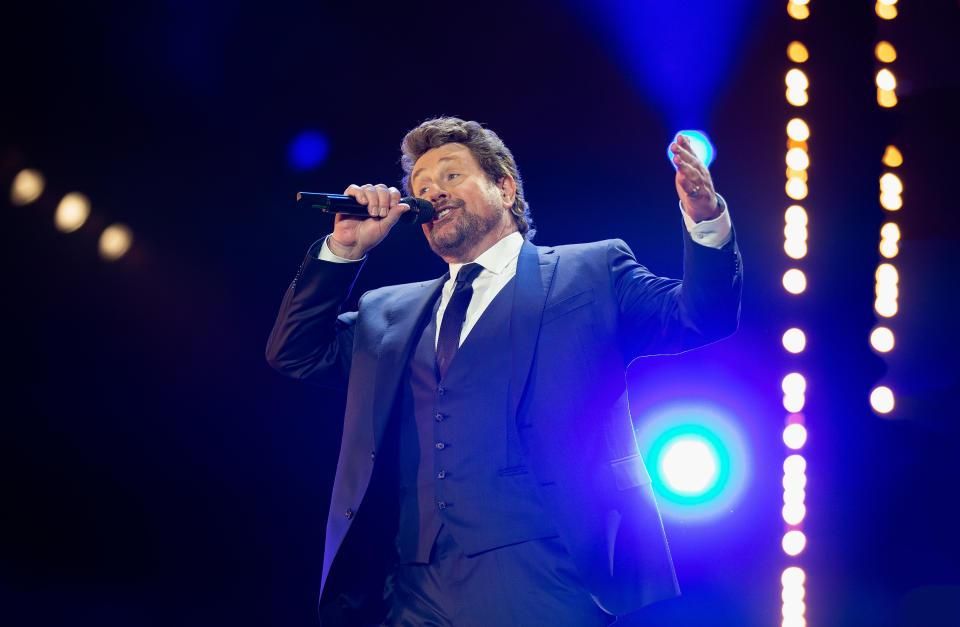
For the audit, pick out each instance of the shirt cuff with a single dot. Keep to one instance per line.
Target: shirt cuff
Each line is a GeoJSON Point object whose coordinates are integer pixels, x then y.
{"type": "Point", "coordinates": [715, 233]}
{"type": "Point", "coordinates": [322, 252]}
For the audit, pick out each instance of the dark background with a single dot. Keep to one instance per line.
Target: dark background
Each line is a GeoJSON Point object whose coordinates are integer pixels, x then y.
{"type": "Point", "coordinates": [157, 472]}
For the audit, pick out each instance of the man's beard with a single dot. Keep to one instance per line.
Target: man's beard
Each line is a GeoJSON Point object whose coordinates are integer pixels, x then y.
{"type": "Point", "coordinates": [468, 229]}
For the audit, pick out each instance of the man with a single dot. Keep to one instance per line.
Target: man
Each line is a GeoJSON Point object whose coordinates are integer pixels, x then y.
{"type": "Point", "coordinates": [490, 405]}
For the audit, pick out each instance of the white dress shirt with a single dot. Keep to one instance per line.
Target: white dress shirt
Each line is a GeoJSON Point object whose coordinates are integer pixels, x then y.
{"type": "Point", "coordinates": [500, 264]}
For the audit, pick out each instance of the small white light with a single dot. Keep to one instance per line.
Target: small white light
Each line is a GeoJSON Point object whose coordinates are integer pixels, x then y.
{"type": "Point", "coordinates": [27, 186]}
{"type": "Point", "coordinates": [890, 184]}
{"type": "Point", "coordinates": [794, 513]}
{"type": "Point", "coordinates": [794, 481]}
{"type": "Point", "coordinates": [792, 497]}
{"type": "Point", "coordinates": [797, 159]}
{"type": "Point", "coordinates": [890, 230]}
{"type": "Point", "coordinates": [886, 80]}
{"type": "Point", "coordinates": [793, 543]}
{"type": "Point", "coordinates": [794, 464]}
{"type": "Point", "coordinates": [72, 212]}
{"type": "Point", "coordinates": [115, 241]}
{"type": "Point", "coordinates": [795, 436]}
{"type": "Point", "coordinates": [795, 214]}
{"type": "Point", "coordinates": [889, 248]}
{"type": "Point", "coordinates": [794, 340]}
{"type": "Point", "coordinates": [796, 188]}
{"type": "Point", "coordinates": [797, 130]}
{"type": "Point", "coordinates": [793, 403]}
{"type": "Point", "coordinates": [794, 383]}
{"type": "Point", "coordinates": [794, 281]}
{"type": "Point", "coordinates": [881, 399]}
{"type": "Point", "coordinates": [795, 248]}
{"type": "Point", "coordinates": [885, 307]}
{"type": "Point", "coordinates": [793, 576]}
{"type": "Point", "coordinates": [881, 339]}
{"type": "Point", "coordinates": [796, 80]}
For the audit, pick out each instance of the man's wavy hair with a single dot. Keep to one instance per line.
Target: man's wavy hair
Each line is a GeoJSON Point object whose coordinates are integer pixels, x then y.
{"type": "Point", "coordinates": [486, 147]}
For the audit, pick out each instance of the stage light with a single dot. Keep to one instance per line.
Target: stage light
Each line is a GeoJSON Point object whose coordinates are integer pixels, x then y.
{"type": "Point", "coordinates": [797, 52]}
{"type": "Point", "coordinates": [881, 399]}
{"type": "Point", "coordinates": [795, 249]}
{"type": "Point", "coordinates": [794, 513]}
{"type": "Point", "coordinates": [699, 142]}
{"type": "Point", "coordinates": [890, 183]}
{"type": "Point", "coordinates": [887, 274]}
{"type": "Point", "coordinates": [886, 98]}
{"type": "Point", "coordinates": [793, 593]}
{"type": "Point", "coordinates": [885, 52]}
{"type": "Point", "coordinates": [794, 481]}
{"type": "Point", "coordinates": [885, 11]}
{"type": "Point", "coordinates": [793, 403]}
{"type": "Point", "coordinates": [794, 464]}
{"type": "Point", "coordinates": [792, 497]}
{"type": "Point", "coordinates": [891, 202]}
{"type": "Point", "coordinates": [794, 383]}
{"type": "Point", "coordinates": [794, 340]}
{"type": "Point", "coordinates": [793, 543]}
{"type": "Point", "coordinates": [881, 339]}
{"type": "Point", "coordinates": [689, 465]}
{"type": "Point", "coordinates": [889, 248]}
{"type": "Point", "coordinates": [115, 241]}
{"type": "Point", "coordinates": [890, 230]}
{"type": "Point", "coordinates": [795, 231]}
{"type": "Point", "coordinates": [792, 576]}
{"type": "Point", "coordinates": [72, 212]}
{"type": "Point", "coordinates": [797, 97]}
{"type": "Point", "coordinates": [795, 214]}
{"type": "Point", "coordinates": [796, 188]}
{"type": "Point", "coordinates": [27, 186]}
{"type": "Point", "coordinates": [886, 80]}
{"type": "Point", "coordinates": [797, 130]}
{"type": "Point", "coordinates": [797, 80]}
{"type": "Point", "coordinates": [308, 150]}
{"type": "Point", "coordinates": [885, 307]}
{"type": "Point", "coordinates": [798, 11]}
{"type": "Point", "coordinates": [892, 157]}
{"type": "Point", "coordinates": [793, 621]}
{"type": "Point", "coordinates": [795, 436]}
{"type": "Point", "coordinates": [797, 159]}
{"type": "Point", "coordinates": [794, 281]}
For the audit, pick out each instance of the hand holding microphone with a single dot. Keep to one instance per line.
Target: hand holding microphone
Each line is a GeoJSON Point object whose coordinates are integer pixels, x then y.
{"type": "Point", "coordinates": [365, 215]}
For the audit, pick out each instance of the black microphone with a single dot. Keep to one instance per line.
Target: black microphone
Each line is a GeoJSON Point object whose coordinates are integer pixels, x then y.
{"type": "Point", "coordinates": [421, 210]}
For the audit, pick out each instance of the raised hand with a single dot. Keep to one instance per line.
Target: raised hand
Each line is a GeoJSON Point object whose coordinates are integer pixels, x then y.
{"type": "Point", "coordinates": [694, 185]}
{"type": "Point", "coordinates": [353, 237]}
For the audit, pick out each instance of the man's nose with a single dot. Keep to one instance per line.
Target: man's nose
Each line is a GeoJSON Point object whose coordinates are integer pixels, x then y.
{"type": "Point", "coordinates": [436, 194]}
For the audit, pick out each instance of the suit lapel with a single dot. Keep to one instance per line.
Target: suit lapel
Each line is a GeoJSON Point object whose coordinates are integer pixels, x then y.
{"type": "Point", "coordinates": [535, 270]}
{"type": "Point", "coordinates": [404, 321]}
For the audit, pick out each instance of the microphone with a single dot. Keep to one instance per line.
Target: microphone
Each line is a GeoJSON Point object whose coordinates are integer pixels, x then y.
{"type": "Point", "coordinates": [421, 210]}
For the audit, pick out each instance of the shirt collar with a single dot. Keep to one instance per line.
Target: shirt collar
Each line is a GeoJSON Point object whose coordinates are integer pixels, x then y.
{"type": "Point", "coordinates": [497, 257]}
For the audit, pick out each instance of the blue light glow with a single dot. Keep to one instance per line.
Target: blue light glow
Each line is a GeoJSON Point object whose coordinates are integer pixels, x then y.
{"type": "Point", "coordinates": [696, 456]}
{"type": "Point", "coordinates": [308, 150]}
{"type": "Point", "coordinates": [701, 144]}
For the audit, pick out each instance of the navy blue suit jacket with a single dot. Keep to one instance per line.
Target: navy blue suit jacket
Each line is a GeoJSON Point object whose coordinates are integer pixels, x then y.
{"type": "Point", "coordinates": [581, 314]}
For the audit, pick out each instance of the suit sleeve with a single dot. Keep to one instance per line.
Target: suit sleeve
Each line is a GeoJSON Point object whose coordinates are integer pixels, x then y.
{"type": "Point", "coordinates": [311, 341]}
{"type": "Point", "coordinates": [660, 315]}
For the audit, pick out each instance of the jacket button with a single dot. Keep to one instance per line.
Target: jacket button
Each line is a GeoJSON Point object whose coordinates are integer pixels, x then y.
{"type": "Point", "coordinates": [439, 417]}
{"type": "Point", "coordinates": [442, 505]}
{"type": "Point", "coordinates": [373, 454]}
{"type": "Point", "coordinates": [442, 474]}
{"type": "Point", "coordinates": [441, 390]}
{"type": "Point", "coordinates": [440, 446]}
{"type": "Point", "coordinates": [348, 513]}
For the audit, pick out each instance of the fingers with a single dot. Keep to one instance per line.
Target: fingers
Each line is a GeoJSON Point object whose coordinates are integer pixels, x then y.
{"type": "Point", "coordinates": [379, 199]}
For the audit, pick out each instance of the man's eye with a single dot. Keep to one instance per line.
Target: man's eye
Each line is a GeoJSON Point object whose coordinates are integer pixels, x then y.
{"type": "Point", "coordinates": [424, 190]}
{"type": "Point", "coordinates": [452, 176]}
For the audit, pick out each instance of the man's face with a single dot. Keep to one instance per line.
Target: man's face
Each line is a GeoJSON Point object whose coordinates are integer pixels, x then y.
{"type": "Point", "coordinates": [471, 209]}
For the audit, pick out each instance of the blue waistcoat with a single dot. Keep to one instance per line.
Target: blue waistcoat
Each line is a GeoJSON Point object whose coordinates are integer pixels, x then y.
{"type": "Point", "coordinates": [460, 459]}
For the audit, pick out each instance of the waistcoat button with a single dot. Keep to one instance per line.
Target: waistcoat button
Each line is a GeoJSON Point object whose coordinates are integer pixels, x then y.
{"type": "Point", "coordinates": [440, 446]}
{"type": "Point", "coordinates": [442, 505]}
{"type": "Point", "coordinates": [442, 474]}
{"type": "Point", "coordinates": [348, 513]}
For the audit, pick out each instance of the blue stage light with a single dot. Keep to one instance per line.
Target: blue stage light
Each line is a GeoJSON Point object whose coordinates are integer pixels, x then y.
{"type": "Point", "coordinates": [701, 144]}
{"type": "Point", "coordinates": [697, 458]}
{"type": "Point", "coordinates": [308, 150]}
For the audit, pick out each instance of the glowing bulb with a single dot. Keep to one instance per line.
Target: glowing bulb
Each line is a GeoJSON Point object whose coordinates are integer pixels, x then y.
{"type": "Point", "coordinates": [72, 212]}
{"type": "Point", "coordinates": [885, 52]}
{"type": "Point", "coordinates": [793, 621]}
{"type": "Point", "coordinates": [115, 241]}
{"type": "Point", "coordinates": [881, 399]}
{"type": "Point", "coordinates": [881, 339]}
{"type": "Point", "coordinates": [794, 340]}
{"type": "Point", "coordinates": [890, 230]}
{"type": "Point", "coordinates": [890, 183]}
{"type": "Point", "coordinates": [886, 98]}
{"type": "Point", "coordinates": [886, 80]}
{"type": "Point", "coordinates": [796, 188]}
{"type": "Point", "coordinates": [886, 274]}
{"type": "Point", "coordinates": [885, 11]}
{"type": "Point", "coordinates": [794, 383]}
{"type": "Point", "coordinates": [798, 159]}
{"type": "Point", "coordinates": [889, 248]}
{"type": "Point", "coordinates": [792, 577]}
{"type": "Point", "coordinates": [795, 231]}
{"type": "Point", "coordinates": [794, 513]}
{"type": "Point", "coordinates": [794, 481]}
{"type": "Point", "coordinates": [886, 308]}
{"type": "Point", "coordinates": [690, 466]}
{"type": "Point", "coordinates": [794, 496]}
{"type": "Point", "coordinates": [795, 214]}
{"type": "Point", "coordinates": [797, 80]}
{"type": "Point", "coordinates": [797, 52]}
{"type": "Point", "coordinates": [794, 464]}
{"type": "Point", "coordinates": [795, 436]}
{"type": "Point", "coordinates": [795, 248]}
{"type": "Point", "coordinates": [793, 403]}
{"type": "Point", "coordinates": [793, 609]}
{"type": "Point", "coordinates": [797, 130]}
{"type": "Point", "coordinates": [798, 11]}
{"type": "Point", "coordinates": [27, 186]}
{"type": "Point", "coordinates": [794, 281]}
{"type": "Point", "coordinates": [793, 543]}
{"type": "Point", "coordinates": [889, 3]}
{"type": "Point", "coordinates": [797, 97]}
{"type": "Point", "coordinates": [892, 157]}
{"type": "Point", "coordinates": [891, 202]}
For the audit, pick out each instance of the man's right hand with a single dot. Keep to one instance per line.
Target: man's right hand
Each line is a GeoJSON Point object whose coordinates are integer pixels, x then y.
{"type": "Point", "coordinates": [352, 236]}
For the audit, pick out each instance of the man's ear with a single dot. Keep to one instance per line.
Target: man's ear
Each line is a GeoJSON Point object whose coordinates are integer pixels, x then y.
{"type": "Point", "coordinates": [508, 190]}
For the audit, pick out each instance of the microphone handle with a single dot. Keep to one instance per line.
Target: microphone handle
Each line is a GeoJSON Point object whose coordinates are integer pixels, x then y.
{"type": "Point", "coordinates": [420, 210]}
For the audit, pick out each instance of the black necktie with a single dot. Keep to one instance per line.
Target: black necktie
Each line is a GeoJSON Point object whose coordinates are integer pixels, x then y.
{"type": "Point", "coordinates": [453, 316]}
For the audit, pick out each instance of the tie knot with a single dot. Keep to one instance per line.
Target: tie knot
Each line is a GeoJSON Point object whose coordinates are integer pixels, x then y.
{"type": "Point", "coordinates": [467, 274]}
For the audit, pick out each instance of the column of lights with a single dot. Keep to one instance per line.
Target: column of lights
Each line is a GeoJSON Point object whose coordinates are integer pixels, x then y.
{"type": "Point", "coordinates": [887, 278]}
{"type": "Point", "coordinates": [794, 339]}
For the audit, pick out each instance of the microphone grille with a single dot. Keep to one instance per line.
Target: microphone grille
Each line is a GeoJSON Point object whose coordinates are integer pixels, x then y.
{"type": "Point", "coordinates": [421, 210]}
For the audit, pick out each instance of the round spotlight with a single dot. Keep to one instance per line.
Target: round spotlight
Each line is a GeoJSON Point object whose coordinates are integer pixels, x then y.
{"type": "Point", "coordinates": [891, 202]}
{"type": "Point", "coordinates": [797, 80]}
{"type": "Point", "coordinates": [798, 11]}
{"type": "Point", "coordinates": [27, 186]}
{"type": "Point", "coordinates": [797, 159]}
{"type": "Point", "coordinates": [889, 248]}
{"type": "Point", "coordinates": [885, 11]}
{"type": "Point", "coordinates": [796, 188]}
{"type": "Point", "coordinates": [115, 241]}
{"type": "Point", "coordinates": [890, 230]}
{"type": "Point", "coordinates": [795, 436]}
{"type": "Point", "coordinates": [885, 52]}
{"type": "Point", "coordinates": [892, 157]}
{"type": "Point", "coordinates": [795, 215]}
{"type": "Point", "coordinates": [797, 130]}
{"type": "Point", "coordinates": [308, 150]}
{"type": "Point", "coordinates": [793, 403]}
{"type": "Point", "coordinates": [794, 340]}
{"type": "Point", "coordinates": [794, 513]}
{"type": "Point", "coordinates": [881, 339]}
{"type": "Point", "coordinates": [890, 184]}
{"type": "Point", "coordinates": [794, 464]}
{"type": "Point", "coordinates": [72, 212]}
{"type": "Point", "coordinates": [885, 307]}
{"type": "Point", "coordinates": [794, 542]}
{"type": "Point", "coordinates": [794, 281]}
{"type": "Point", "coordinates": [881, 399]}
{"type": "Point", "coordinates": [887, 274]}
{"type": "Point", "coordinates": [886, 98]}
{"type": "Point", "coordinates": [793, 621]}
{"type": "Point", "coordinates": [689, 465]}
{"type": "Point", "coordinates": [700, 143]}
{"type": "Point", "coordinates": [886, 80]}
{"type": "Point", "coordinates": [792, 576]}
{"type": "Point", "coordinates": [795, 248]}
{"type": "Point", "coordinates": [797, 52]}
{"type": "Point", "coordinates": [797, 97]}
{"type": "Point", "coordinates": [794, 383]}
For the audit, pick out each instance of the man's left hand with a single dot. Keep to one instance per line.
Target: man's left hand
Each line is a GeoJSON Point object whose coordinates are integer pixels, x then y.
{"type": "Point", "coordinates": [694, 185]}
